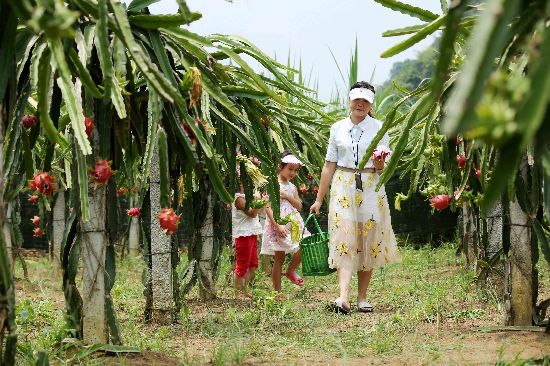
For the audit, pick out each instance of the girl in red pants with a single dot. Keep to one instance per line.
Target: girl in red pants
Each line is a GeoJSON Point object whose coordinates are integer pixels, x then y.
{"type": "Point", "coordinates": [245, 229]}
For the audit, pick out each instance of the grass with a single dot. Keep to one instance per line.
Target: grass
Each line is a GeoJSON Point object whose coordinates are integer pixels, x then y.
{"type": "Point", "coordinates": [426, 309]}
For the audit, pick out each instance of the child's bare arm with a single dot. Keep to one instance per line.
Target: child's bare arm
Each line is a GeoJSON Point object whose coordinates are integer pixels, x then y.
{"type": "Point", "coordinates": [293, 199]}
{"type": "Point", "coordinates": [240, 203]}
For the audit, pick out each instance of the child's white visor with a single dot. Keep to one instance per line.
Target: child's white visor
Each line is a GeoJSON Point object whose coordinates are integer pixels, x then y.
{"type": "Point", "coordinates": [291, 159]}
{"type": "Point", "coordinates": [362, 93]}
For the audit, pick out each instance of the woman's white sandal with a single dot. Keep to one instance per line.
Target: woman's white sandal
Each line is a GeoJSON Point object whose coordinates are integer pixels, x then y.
{"type": "Point", "coordinates": [364, 307]}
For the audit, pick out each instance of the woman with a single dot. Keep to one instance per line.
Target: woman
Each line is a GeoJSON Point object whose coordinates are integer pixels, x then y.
{"type": "Point", "coordinates": [361, 236]}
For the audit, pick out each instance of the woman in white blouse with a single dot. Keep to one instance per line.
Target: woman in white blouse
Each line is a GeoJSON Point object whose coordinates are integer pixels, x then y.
{"type": "Point", "coordinates": [361, 236]}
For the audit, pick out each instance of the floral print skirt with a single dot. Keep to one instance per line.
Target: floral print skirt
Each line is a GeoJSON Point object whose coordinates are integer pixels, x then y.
{"type": "Point", "coordinates": [359, 224]}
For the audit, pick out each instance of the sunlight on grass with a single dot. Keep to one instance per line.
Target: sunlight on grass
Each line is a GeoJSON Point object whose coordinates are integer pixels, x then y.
{"type": "Point", "coordinates": [415, 304]}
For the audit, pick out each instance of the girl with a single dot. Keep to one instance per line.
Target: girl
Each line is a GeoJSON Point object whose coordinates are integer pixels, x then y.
{"type": "Point", "coordinates": [245, 230]}
{"type": "Point", "coordinates": [277, 239]}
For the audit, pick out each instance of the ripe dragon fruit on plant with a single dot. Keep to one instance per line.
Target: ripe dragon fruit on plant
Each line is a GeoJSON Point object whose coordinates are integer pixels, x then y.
{"type": "Point", "coordinates": [29, 120]}
{"type": "Point", "coordinates": [303, 189]}
{"type": "Point", "coordinates": [36, 221]}
{"type": "Point", "coordinates": [189, 131]}
{"type": "Point", "coordinates": [43, 183]}
{"type": "Point", "coordinates": [89, 124]}
{"type": "Point", "coordinates": [264, 122]}
{"type": "Point", "coordinates": [169, 221]}
{"type": "Point", "coordinates": [461, 161]}
{"type": "Point", "coordinates": [33, 199]}
{"type": "Point", "coordinates": [37, 232]}
{"type": "Point", "coordinates": [134, 211]}
{"type": "Point", "coordinates": [121, 191]}
{"type": "Point", "coordinates": [441, 201]}
{"type": "Point", "coordinates": [102, 172]}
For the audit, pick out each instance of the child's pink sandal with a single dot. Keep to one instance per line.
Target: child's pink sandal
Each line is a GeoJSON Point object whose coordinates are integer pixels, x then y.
{"type": "Point", "coordinates": [294, 278]}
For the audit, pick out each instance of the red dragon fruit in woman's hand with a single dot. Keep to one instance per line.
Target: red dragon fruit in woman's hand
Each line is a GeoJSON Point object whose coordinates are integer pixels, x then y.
{"type": "Point", "coordinates": [441, 201]}
{"type": "Point", "coordinates": [381, 152]}
{"type": "Point", "coordinates": [169, 221]}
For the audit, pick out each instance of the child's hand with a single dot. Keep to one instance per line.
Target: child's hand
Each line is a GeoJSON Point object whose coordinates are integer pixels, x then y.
{"type": "Point", "coordinates": [284, 195]}
{"type": "Point", "coordinates": [281, 230]}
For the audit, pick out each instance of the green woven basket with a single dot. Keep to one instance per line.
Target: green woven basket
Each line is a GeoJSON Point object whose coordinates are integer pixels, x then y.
{"type": "Point", "coordinates": [314, 250]}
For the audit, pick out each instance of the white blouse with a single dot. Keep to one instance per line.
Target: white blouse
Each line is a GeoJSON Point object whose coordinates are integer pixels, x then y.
{"type": "Point", "coordinates": [348, 142]}
{"type": "Point", "coordinates": [242, 224]}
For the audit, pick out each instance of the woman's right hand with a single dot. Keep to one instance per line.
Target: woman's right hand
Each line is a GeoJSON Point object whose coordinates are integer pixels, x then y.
{"type": "Point", "coordinates": [316, 207]}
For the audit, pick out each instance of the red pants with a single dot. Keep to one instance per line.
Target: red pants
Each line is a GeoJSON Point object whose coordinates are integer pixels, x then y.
{"type": "Point", "coordinates": [246, 254]}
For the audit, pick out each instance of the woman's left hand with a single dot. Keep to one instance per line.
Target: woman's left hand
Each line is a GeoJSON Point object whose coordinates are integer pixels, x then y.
{"type": "Point", "coordinates": [378, 162]}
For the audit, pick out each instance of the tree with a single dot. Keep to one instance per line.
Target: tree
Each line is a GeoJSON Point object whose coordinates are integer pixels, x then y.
{"type": "Point", "coordinates": [102, 80]}
{"type": "Point", "coordinates": [482, 113]}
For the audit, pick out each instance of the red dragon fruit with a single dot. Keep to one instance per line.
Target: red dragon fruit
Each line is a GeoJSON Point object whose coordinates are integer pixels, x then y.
{"type": "Point", "coordinates": [461, 161]}
{"type": "Point", "coordinates": [29, 120]}
{"type": "Point", "coordinates": [458, 141]}
{"type": "Point", "coordinates": [43, 183]}
{"type": "Point", "coordinates": [102, 172]}
{"type": "Point", "coordinates": [310, 177]}
{"type": "Point", "coordinates": [190, 133]}
{"type": "Point", "coordinates": [478, 173]}
{"type": "Point", "coordinates": [169, 221]}
{"type": "Point", "coordinates": [37, 232]}
{"type": "Point", "coordinates": [36, 221]}
{"type": "Point", "coordinates": [264, 122]}
{"type": "Point", "coordinates": [33, 199]}
{"type": "Point", "coordinates": [303, 189]}
{"type": "Point", "coordinates": [89, 124]}
{"type": "Point", "coordinates": [441, 201]}
{"type": "Point", "coordinates": [134, 211]}
{"type": "Point", "coordinates": [121, 191]}
{"type": "Point", "coordinates": [381, 152]}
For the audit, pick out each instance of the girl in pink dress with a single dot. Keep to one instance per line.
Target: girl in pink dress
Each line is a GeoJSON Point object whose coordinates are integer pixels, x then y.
{"type": "Point", "coordinates": [277, 240]}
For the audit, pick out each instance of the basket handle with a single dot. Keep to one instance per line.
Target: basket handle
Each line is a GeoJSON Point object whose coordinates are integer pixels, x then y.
{"type": "Point", "coordinates": [314, 220]}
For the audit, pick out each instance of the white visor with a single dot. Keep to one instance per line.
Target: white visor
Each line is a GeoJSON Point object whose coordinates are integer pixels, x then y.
{"type": "Point", "coordinates": [291, 159]}
{"type": "Point", "coordinates": [362, 93]}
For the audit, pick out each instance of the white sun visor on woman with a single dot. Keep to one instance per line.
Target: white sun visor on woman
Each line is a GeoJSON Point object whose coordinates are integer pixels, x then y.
{"type": "Point", "coordinates": [362, 93]}
{"type": "Point", "coordinates": [291, 159]}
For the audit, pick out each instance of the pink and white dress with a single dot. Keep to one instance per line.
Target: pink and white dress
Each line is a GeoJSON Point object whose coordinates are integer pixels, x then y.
{"type": "Point", "coordinates": [272, 242]}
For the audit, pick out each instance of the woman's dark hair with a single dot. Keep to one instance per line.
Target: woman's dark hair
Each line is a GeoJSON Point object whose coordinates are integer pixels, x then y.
{"type": "Point", "coordinates": [362, 84]}
{"type": "Point", "coordinates": [283, 154]}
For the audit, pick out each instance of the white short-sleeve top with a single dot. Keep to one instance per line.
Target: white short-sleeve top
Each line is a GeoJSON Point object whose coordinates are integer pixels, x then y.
{"type": "Point", "coordinates": [242, 224]}
{"type": "Point", "coordinates": [348, 142]}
